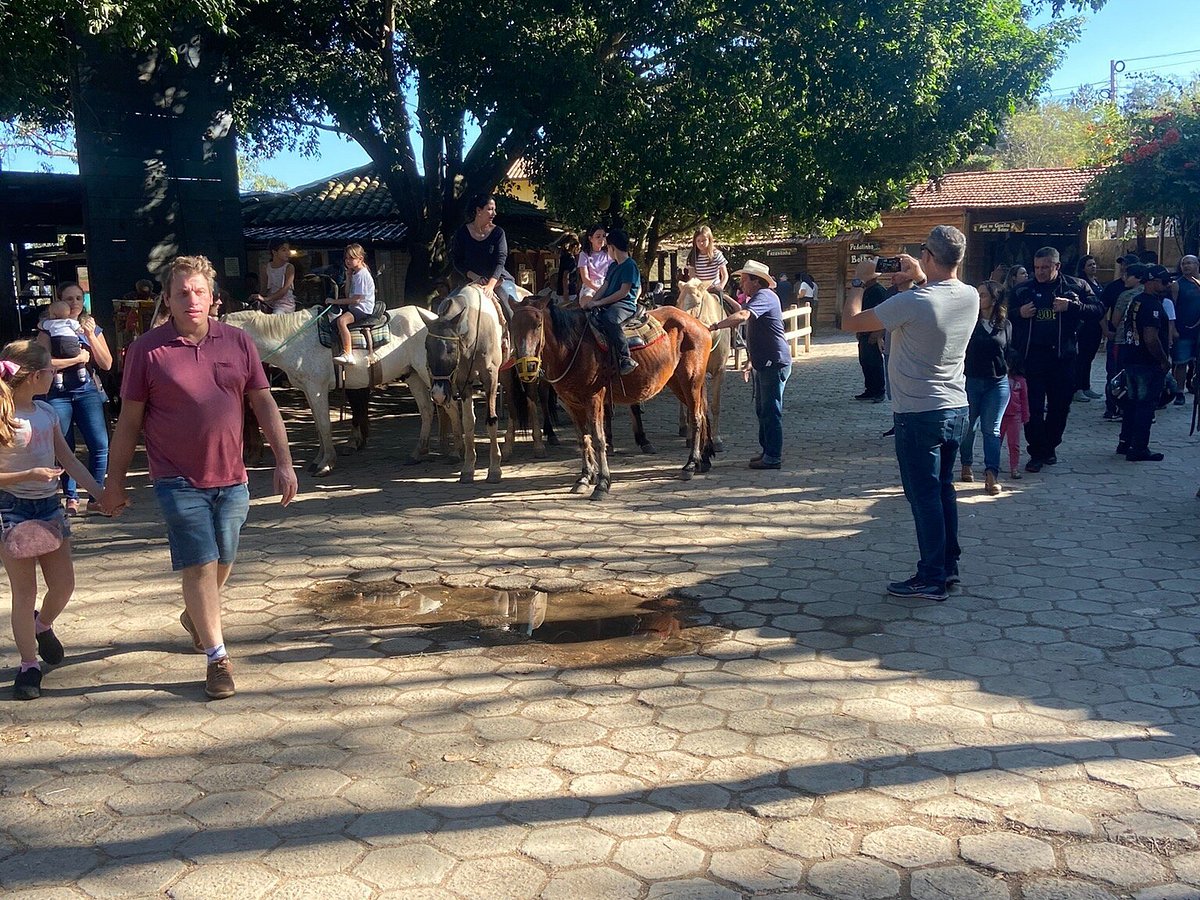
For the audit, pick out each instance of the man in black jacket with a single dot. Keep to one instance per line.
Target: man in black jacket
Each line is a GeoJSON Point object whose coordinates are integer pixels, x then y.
{"type": "Point", "coordinates": [1049, 310]}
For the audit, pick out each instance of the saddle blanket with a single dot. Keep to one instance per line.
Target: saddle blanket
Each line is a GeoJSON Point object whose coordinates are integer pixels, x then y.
{"type": "Point", "coordinates": [378, 326]}
{"type": "Point", "coordinates": [642, 331]}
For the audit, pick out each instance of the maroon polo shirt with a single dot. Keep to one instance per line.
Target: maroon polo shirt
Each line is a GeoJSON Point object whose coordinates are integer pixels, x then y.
{"type": "Point", "coordinates": [193, 395]}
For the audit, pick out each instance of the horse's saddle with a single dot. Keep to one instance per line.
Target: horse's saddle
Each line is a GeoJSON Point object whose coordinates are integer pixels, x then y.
{"type": "Point", "coordinates": [366, 335]}
{"type": "Point", "coordinates": [641, 331]}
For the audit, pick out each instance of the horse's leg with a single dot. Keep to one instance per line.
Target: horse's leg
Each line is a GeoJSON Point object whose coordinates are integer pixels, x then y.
{"type": "Point", "coordinates": [359, 401]}
{"type": "Point", "coordinates": [714, 412]}
{"type": "Point", "coordinates": [603, 477]}
{"type": "Point", "coordinates": [467, 405]}
{"type": "Point", "coordinates": [491, 386]}
{"type": "Point", "coordinates": [511, 399]}
{"type": "Point", "coordinates": [687, 384]}
{"type": "Point", "coordinates": [683, 420]}
{"type": "Point", "coordinates": [548, 400]}
{"type": "Point", "coordinates": [318, 402]}
{"type": "Point", "coordinates": [425, 408]}
{"type": "Point", "coordinates": [534, 400]}
{"type": "Point", "coordinates": [608, 437]}
{"type": "Point", "coordinates": [588, 472]}
{"type": "Point", "coordinates": [639, 429]}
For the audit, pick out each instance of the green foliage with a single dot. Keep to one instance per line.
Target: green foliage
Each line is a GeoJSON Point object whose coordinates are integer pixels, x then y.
{"type": "Point", "coordinates": [1157, 174]}
{"type": "Point", "coordinates": [252, 177]}
{"type": "Point", "coordinates": [1086, 130]}
{"type": "Point", "coordinates": [663, 111]}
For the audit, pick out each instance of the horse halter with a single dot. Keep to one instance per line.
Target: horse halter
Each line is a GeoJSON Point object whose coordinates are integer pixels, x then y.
{"type": "Point", "coordinates": [456, 341]}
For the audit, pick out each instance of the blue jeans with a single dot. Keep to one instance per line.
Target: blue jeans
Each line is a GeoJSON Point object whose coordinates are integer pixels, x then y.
{"type": "Point", "coordinates": [988, 398]}
{"type": "Point", "coordinates": [926, 447]}
{"type": "Point", "coordinates": [203, 524]}
{"type": "Point", "coordinates": [83, 409]}
{"type": "Point", "coordinates": [768, 406]}
{"type": "Point", "coordinates": [1145, 383]}
{"type": "Point", "coordinates": [610, 320]}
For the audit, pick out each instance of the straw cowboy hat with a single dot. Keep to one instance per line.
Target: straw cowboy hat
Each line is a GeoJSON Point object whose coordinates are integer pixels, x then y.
{"type": "Point", "coordinates": [757, 269]}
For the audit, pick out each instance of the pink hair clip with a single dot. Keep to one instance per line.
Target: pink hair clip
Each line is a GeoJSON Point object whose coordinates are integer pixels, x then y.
{"type": "Point", "coordinates": [8, 368]}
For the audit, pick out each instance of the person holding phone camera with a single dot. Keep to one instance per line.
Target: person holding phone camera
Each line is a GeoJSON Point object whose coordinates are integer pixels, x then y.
{"type": "Point", "coordinates": [1050, 310]}
{"type": "Point", "coordinates": [930, 326]}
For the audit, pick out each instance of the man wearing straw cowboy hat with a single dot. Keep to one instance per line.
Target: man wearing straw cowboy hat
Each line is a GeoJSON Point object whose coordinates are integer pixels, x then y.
{"type": "Point", "coordinates": [770, 358]}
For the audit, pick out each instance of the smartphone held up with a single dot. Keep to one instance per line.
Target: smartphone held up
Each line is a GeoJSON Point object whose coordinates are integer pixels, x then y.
{"type": "Point", "coordinates": [886, 265]}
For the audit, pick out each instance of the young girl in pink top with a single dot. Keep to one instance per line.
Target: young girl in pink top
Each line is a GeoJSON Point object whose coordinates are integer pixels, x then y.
{"type": "Point", "coordinates": [1016, 414]}
{"type": "Point", "coordinates": [33, 454]}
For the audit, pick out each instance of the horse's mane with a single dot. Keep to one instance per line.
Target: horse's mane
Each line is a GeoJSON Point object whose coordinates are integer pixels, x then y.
{"type": "Point", "coordinates": [276, 327]}
{"type": "Point", "coordinates": [568, 324]}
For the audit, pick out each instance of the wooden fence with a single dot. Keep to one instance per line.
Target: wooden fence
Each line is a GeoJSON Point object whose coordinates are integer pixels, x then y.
{"type": "Point", "coordinates": [800, 316]}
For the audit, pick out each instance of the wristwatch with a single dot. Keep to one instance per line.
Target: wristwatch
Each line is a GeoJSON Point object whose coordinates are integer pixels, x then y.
{"type": "Point", "coordinates": [856, 282]}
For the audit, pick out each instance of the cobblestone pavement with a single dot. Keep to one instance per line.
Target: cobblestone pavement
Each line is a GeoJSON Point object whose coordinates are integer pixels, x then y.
{"type": "Point", "coordinates": [802, 735]}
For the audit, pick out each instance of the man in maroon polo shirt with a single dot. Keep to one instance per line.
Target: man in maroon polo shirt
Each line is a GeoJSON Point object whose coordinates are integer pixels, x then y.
{"type": "Point", "coordinates": [183, 386]}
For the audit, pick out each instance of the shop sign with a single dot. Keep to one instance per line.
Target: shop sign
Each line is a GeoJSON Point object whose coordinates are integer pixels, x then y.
{"type": "Point", "coordinates": [863, 250]}
{"type": "Point", "coordinates": [1016, 227]}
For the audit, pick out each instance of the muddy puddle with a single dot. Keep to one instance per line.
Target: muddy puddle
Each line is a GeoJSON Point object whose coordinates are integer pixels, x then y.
{"type": "Point", "coordinates": [561, 628]}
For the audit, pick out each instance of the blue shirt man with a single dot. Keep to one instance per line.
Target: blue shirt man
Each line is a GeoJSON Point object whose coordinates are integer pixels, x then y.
{"type": "Point", "coordinates": [770, 358]}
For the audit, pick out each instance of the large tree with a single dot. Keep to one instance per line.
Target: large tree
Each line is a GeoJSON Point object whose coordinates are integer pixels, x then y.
{"type": "Point", "coordinates": [1157, 174]}
{"type": "Point", "coordinates": [810, 108]}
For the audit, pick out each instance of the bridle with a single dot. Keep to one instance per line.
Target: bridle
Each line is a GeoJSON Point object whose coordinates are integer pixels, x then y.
{"type": "Point", "coordinates": [457, 339]}
{"type": "Point", "coordinates": [529, 368]}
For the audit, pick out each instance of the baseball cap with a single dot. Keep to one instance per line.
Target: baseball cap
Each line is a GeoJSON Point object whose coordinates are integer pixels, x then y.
{"type": "Point", "coordinates": [1160, 273]}
{"type": "Point", "coordinates": [1140, 271]}
{"type": "Point", "coordinates": [1129, 259]}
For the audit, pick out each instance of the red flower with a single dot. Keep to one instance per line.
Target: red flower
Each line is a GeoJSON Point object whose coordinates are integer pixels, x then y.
{"type": "Point", "coordinates": [1127, 157]}
{"type": "Point", "coordinates": [1171, 137]}
{"type": "Point", "coordinates": [1146, 150]}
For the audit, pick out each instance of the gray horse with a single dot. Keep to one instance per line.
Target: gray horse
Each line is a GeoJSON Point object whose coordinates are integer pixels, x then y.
{"type": "Point", "coordinates": [463, 348]}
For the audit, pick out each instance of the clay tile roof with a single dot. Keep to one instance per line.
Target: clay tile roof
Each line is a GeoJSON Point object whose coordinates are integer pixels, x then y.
{"type": "Point", "coordinates": [1009, 188]}
{"type": "Point", "coordinates": [357, 197]}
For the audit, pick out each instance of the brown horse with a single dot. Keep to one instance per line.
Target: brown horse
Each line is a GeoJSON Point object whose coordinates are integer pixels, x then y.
{"type": "Point", "coordinates": [560, 345]}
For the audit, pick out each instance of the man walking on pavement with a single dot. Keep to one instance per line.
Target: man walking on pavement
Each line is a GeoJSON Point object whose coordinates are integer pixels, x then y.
{"type": "Point", "coordinates": [1049, 309]}
{"type": "Point", "coordinates": [930, 326]}
{"type": "Point", "coordinates": [183, 386]}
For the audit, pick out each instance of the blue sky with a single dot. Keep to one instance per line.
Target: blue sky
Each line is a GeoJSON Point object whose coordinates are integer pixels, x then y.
{"type": "Point", "coordinates": [1165, 41]}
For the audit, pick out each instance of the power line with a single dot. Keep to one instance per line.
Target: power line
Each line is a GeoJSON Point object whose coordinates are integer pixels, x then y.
{"type": "Point", "coordinates": [1160, 55]}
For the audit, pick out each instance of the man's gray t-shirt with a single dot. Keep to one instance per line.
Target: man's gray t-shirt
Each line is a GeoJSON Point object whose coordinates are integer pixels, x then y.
{"type": "Point", "coordinates": [930, 327]}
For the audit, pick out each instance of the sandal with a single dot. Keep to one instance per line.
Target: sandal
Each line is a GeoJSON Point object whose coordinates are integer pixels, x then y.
{"type": "Point", "coordinates": [72, 507]}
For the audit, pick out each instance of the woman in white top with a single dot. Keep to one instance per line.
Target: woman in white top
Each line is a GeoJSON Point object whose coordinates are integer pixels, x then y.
{"type": "Point", "coordinates": [594, 262]}
{"type": "Point", "coordinates": [706, 261]}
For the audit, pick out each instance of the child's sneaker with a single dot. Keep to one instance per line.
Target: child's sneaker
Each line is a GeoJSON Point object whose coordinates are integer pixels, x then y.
{"type": "Point", "coordinates": [50, 648]}
{"type": "Point", "coordinates": [1014, 474]}
{"type": "Point", "coordinates": [28, 685]}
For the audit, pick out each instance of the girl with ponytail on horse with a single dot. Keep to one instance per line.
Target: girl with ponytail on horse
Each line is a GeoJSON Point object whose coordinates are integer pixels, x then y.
{"type": "Point", "coordinates": [35, 531]}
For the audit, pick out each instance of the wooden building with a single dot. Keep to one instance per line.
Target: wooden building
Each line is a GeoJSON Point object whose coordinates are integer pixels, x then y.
{"type": "Point", "coordinates": [1005, 215]}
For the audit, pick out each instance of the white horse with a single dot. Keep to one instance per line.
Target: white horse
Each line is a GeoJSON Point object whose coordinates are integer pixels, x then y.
{"type": "Point", "coordinates": [694, 297]}
{"type": "Point", "coordinates": [289, 341]}
{"type": "Point", "coordinates": [464, 347]}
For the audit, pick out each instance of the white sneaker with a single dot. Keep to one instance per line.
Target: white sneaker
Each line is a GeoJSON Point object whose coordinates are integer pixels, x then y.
{"type": "Point", "coordinates": [344, 360]}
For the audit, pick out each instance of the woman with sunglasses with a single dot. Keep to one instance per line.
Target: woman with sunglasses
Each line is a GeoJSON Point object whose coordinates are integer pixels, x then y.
{"type": "Point", "coordinates": [987, 384]}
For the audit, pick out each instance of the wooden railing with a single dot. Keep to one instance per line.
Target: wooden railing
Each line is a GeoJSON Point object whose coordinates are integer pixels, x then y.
{"type": "Point", "coordinates": [799, 315]}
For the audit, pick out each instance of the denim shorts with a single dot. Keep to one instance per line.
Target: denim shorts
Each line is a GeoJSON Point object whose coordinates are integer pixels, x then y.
{"type": "Point", "coordinates": [1184, 350]}
{"type": "Point", "coordinates": [203, 524]}
{"type": "Point", "coordinates": [14, 510]}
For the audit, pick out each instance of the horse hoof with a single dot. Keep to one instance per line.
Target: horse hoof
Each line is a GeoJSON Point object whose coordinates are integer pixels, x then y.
{"type": "Point", "coordinates": [322, 471]}
{"type": "Point", "coordinates": [466, 478]}
{"type": "Point", "coordinates": [493, 476]}
{"type": "Point", "coordinates": [705, 466]}
{"type": "Point", "coordinates": [686, 475]}
{"type": "Point", "coordinates": [718, 446]}
{"type": "Point", "coordinates": [580, 486]}
{"type": "Point", "coordinates": [600, 492]}
{"type": "Point", "coordinates": [648, 448]}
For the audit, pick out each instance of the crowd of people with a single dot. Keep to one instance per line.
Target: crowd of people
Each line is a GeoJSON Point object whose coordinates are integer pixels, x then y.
{"type": "Point", "coordinates": [1011, 357]}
